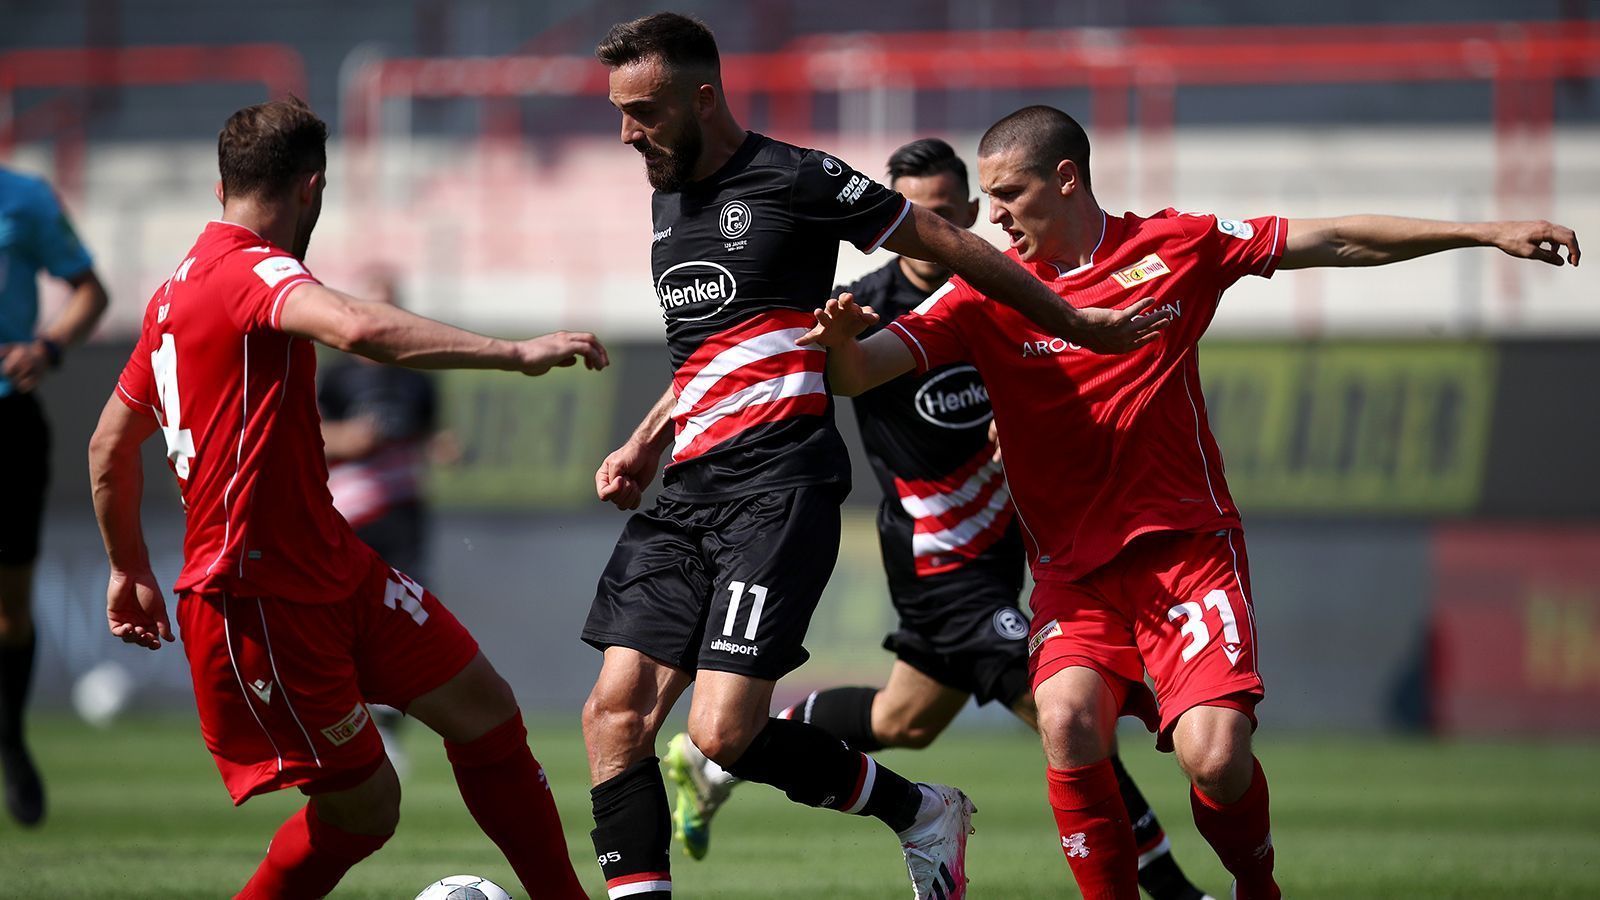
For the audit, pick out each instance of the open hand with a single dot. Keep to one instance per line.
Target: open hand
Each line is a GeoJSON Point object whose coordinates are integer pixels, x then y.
{"type": "Point", "coordinates": [561, 348]}
{"type": "Point", "coordinates": [839, 322]}
{"type": "Point", "coordinates": [135, 610]}
{"type": "Point", "coordinates": [1537, 240]}
{"type": "Point", "coordinates": [1120, 330]}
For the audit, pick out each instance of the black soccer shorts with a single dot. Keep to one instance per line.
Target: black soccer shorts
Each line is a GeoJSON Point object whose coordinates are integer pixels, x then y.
{"type": "Point", "coordinates": [727, 586]}
{"type": "Point", "coordinates": [964, 630]}
{"type": "Point", "coordinates": [24, 473]}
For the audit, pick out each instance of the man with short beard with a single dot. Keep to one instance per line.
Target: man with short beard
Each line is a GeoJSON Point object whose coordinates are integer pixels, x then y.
{"type": "Point", "coordinates": [718, 580]}
{"type": "Point", "coordinates": [290, 624]}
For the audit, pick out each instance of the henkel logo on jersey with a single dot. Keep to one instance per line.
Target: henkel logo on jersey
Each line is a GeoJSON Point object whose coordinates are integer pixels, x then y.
{"type": "Point", "coordinates": [954, 398]}
{"type": "Point", "coordinates": [690, 291]}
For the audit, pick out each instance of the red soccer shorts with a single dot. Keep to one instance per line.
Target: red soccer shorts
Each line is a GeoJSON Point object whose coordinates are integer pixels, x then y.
{"type": "Point", "coordinates": [1174, 604]}
{"type": "Point", "coordinates": [283, 687]}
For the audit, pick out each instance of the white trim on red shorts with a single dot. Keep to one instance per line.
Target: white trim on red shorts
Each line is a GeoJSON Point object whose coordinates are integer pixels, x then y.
{"type": "Point", "coordinates": [283, 689]}
{"type": "Point", "coordinates": [227, 640]}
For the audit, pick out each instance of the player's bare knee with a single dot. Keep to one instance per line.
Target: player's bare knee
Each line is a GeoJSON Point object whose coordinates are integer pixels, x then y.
{"type": "Point", "coordinates": [909, 735]}
{"type": "Point", "coordinates": [1213, 749]}
{"type": "Point", "coordinates": [611, 722]}
{"type": "Point", "coordinates": [372, 807]}
{"type": "Point", "coordinates": [494, 697]}
{"type": "Point", "coordinates": [1073, 733]}
{"type": "Point", "coordinates": [723, 735]}
{"type": "Point", "coordinates": [16, 609]}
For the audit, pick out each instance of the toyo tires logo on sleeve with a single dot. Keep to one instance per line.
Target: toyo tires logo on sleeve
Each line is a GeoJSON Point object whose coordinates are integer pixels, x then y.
{"type": "Point", "coordinates": [690, 291]}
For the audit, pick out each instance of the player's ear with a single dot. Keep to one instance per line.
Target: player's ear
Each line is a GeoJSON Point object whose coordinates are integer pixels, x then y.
{"type": "Point", "coordinates": [1067, 176]}
{"type": "Point", "coordinates": [217, 189]}
{"type": "Point", "coordinates": [705, 101]}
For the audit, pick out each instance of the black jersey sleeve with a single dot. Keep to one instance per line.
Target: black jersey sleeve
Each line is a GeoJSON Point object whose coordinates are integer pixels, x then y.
{"type": "Point", "coordinates": [842, 202]}
{"type": "Point", "coordinates": [333, 397]}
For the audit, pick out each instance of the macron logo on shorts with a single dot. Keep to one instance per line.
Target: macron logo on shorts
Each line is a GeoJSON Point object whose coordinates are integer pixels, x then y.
{"type": "Point", "coordinates": [1051, 629]}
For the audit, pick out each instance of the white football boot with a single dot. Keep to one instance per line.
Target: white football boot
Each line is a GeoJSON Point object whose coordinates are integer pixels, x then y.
{"type": "Point", "coordinates": [936, 844]}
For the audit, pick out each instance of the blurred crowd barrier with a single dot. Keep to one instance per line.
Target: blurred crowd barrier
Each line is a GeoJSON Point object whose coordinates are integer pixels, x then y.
{"type": "Point", "coordinates": [512, 236]}
{"type": "Point", "coordinates": [1421, 519]}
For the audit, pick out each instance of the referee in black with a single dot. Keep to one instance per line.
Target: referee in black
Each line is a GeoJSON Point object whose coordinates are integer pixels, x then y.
{"type": "Point", "coordinates": [34, 235]}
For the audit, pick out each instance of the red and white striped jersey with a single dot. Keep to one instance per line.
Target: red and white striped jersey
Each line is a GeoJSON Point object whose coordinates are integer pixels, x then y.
{"type": "Point", "coordinates": [235, 398]}
{"type": "Point", "coordinates": [740, 259]}
{"type": "Point", "coordinates": [1101, 449]}
{"type": "Point", "coordinates": [959, 516]}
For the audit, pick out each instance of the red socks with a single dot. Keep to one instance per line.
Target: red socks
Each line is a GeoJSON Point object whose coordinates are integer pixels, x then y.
{"type": "Point", "coordinates": [1241, 833]}
{"type": "Point", "coordinates": [505, 789]}
{"type": "Point", "coordinates": [307, 858]}
{"type": "Point", "coordinates": [1095, 833]}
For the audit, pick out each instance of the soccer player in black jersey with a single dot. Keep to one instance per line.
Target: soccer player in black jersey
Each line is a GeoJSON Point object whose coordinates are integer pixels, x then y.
{"type": "Point", "coordinates": [717, 581]}
{"type": "Point", "coordinates": [951, 549]}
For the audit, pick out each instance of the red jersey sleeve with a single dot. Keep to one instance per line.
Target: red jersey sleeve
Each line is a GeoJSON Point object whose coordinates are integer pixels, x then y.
{"type": "Point", "coordinates": [1243, 247]}
{"type": "Point", "coordinates": [136, 386]}
{"type": "Point", "coordinates": [931, 331]}
{"type": "Point", "coordinates": [263, 283]}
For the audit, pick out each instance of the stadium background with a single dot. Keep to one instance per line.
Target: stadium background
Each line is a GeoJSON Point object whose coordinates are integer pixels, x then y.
{"type": "Point", "coordinates": [1414, 447]}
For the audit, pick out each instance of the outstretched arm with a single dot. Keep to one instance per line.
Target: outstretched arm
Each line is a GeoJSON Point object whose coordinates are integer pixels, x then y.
{"type": "Point", "coordinates": [135, 610]}
{"type": "Point", "coordinates": [1378, 240]}
{"type": "Point", "coordinates": [855, 367]}
{"type": "Point", "coordinates": [628, 470]}
{"type": "Point", "coordinates": [923, 235]}
{"type": "Point", "coordinates": [391, 335]}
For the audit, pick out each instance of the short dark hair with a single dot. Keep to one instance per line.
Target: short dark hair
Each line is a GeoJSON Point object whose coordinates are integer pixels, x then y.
{"type": "Point", "coordinates": [263, 148]}
{"type": "Point", "coordinates": [682, 42]}
{"type": "Point", "coordinates": [1047, 136]}
{"type": "Point", "coordinates": [924, 157]}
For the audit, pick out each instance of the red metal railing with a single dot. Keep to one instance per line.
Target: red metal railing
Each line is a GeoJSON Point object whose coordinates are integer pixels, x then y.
{"type": "Point", "coordinates": [276, 67]}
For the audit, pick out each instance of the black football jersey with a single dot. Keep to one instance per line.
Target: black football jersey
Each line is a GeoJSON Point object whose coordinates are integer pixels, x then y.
{"type": "Point", "coordinates": [945, 502]}
{"type": "Point", "coordinates": [740, 260]}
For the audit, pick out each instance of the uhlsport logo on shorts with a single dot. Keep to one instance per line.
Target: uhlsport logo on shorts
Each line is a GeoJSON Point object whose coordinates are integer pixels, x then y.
{"type": "Point", "coordinates": [738, 649]}
{"type": "Point", "coordinates": [1009, 624]}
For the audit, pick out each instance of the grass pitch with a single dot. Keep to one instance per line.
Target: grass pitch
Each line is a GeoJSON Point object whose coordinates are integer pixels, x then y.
{"type": "Point", "coordinates": [139, 812]}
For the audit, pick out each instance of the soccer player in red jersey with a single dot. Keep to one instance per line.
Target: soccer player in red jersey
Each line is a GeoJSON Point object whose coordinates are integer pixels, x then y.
{"type": "Point", "coordinates": [290, 624]}
{"type": "Point", "coordinates": [1135, 544]}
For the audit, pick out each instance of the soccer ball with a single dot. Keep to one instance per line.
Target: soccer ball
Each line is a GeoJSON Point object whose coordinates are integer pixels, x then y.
{"type": "Point", "coordinates": [102, 693]}
{"type": "Point", "coordinates": [464, 887]}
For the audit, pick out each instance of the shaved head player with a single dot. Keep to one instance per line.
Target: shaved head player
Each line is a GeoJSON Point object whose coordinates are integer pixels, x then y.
{"type": "Point", "coordinates": [1136, 546]}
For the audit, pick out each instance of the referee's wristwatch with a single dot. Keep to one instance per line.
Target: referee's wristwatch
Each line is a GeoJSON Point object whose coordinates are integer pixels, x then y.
{"type": "Point", "coordinates": [52, 352]}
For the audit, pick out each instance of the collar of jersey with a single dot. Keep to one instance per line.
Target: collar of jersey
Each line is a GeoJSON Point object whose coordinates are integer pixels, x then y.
{"type": "Point", "coordinates": [235, 225]}
{"type": "Point", "coordinates": [745, 150]}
